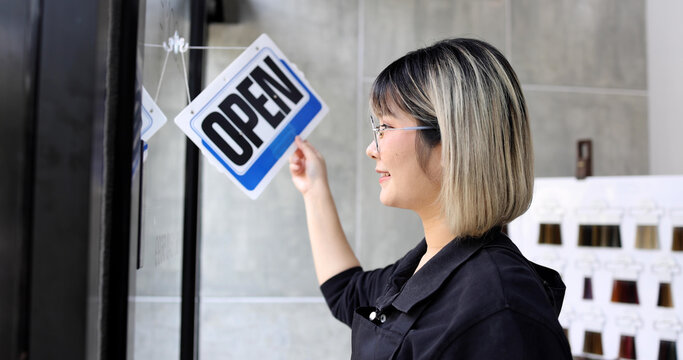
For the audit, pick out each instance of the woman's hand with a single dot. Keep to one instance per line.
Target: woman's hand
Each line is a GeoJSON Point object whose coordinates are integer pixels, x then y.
{"type": "Point", "coordinates": [307, 167]}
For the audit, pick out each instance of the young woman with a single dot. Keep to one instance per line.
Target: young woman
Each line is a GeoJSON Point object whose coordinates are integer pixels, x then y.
{"type": "Point", "coordinates": [452, 143]}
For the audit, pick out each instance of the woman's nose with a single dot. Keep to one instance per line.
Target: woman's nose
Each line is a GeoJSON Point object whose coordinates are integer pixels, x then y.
{"type": "Point", "coordinates": [371, 150]}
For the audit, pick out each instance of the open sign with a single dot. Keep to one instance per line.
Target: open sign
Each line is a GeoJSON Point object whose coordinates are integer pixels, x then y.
{"type": "Point", "coordinates": [245, 121]}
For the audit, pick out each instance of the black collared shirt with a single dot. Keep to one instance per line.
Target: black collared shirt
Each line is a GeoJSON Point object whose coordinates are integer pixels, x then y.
{"type": "Point", "coordinates": [477, 298]}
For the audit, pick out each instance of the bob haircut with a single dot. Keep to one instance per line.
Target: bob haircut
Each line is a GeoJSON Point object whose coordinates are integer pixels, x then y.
{"type": "Point", "coordinates": [467, 90]}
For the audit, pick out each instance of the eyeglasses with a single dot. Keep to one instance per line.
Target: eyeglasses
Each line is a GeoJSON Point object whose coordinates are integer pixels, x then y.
{"type": "Point", "coordinates": [379, 129]}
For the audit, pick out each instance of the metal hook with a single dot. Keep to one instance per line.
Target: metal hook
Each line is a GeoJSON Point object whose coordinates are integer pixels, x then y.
{"type": "Point", "coordinates": [176, 44]}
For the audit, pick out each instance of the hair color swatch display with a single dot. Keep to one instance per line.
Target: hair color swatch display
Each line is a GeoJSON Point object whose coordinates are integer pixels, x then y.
{"type": "Point", "coordinates": [627, 347]}
{"type": "Point", "coordinates": [599, 235]}
{"type": "Point", "coordinates": [646, 237]}
{"type": "Point", "coordinates": [587, 288]}
{"type": "Point", "coordinates": [667, 350]}
{"type": "Point", "coordinates": [664, 298]}
{"type": "Point", "coordinates": [677, 244]}
{"type": "Point", "coordinates": [625, 291]}
{"type": "Point", "coordinates": [550, 234]}
{"type": "Point", "coordinates": [592, 343]}
{"type": "Point", "coordinates": [617, 242]}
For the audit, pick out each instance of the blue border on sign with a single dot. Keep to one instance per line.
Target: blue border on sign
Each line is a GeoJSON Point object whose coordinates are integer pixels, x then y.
{"type": "Point", "coordinates": [151, 120]}
{"type": "Point", "coordinates": [279, 145]}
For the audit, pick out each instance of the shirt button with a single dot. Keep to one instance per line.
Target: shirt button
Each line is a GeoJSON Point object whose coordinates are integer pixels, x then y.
{"type": "Point", "coordinates": [373, 316]}
{"type": "Point", "coordinates": [382, 318]}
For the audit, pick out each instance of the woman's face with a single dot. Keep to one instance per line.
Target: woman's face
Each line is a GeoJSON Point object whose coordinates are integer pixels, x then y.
{"type": "Point", "coordinates": [403, 182]}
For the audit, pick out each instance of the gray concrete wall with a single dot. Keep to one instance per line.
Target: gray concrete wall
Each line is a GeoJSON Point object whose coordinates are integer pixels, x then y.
{"type": "Point", "coordinates": [583, 67]}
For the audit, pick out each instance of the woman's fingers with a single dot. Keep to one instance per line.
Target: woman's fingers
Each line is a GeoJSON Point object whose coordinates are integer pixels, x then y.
{"type": "Point", "coordinates": [307, 166]}
{"type": "Point", "coordinates": [296, 162]}
{"type": "Point", "coordinates": [308, 150]}
{"type": "Point", "coordinates": [296, 156]}
{"type": "Point", "coordinates": [295, 168]}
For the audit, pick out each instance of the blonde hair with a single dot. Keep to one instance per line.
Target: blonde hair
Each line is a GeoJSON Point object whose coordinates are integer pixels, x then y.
{"type": "Point", "coordinates": [467, 90]}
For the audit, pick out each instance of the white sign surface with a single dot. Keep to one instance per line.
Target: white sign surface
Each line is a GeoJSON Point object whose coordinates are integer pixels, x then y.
{"type": "Point", "coordinates": [245, 121]}
{"type": "Point", "coordinates": [152, 120]}
{"type": "Point", "coordinates": [152, 116]}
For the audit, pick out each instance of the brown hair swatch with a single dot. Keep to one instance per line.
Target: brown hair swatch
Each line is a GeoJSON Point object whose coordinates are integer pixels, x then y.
{"type": "Point", "coordinates": [549, 234]}
{"type": "Point", "coordinates": [592, 342]}
{"type": "Point", "coordinates": [625, 291]}
{"type": "Point", "coordinates": [677, 244]}
{"type": "Point", "coordinates": [665, 298]}
{"type": "Point", "coordinates": [627, 347]}
{"type": "Point", "coordinates": [667, 350]}
{"type": "Point", "coordinates": [587, 288]}
{"type": "Point", "coordinates": [599, 235]}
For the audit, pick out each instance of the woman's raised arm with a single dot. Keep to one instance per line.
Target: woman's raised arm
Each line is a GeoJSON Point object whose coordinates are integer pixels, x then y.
{"type": "Point", "coordinates": [332, 253]}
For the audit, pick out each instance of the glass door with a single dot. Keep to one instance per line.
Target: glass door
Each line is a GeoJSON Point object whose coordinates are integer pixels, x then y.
{"type": "Point", "coordinates": [158, 278]}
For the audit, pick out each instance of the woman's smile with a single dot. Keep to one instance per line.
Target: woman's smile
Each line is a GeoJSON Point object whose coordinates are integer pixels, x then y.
{"type": "Point", "coordinates": [383, 175]}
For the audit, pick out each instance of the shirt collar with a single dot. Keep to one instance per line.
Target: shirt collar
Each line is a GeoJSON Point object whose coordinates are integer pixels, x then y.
{"type": "Point", "coordinates": [430, 277]}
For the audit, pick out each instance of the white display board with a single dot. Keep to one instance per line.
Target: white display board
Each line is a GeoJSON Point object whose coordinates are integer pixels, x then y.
{"type": "Point", "coordinates": [626, 202]}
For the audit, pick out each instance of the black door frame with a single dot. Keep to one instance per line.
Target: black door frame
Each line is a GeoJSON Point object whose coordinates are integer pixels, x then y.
{"type": "Point", "coordinates": [189, 334]}
{"type": "Point", "coordinates": [55, 113]}
{"type": "Point", "coordinates": [69, 97]}
{"type": "Point", "coordinates": [18, 69]}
